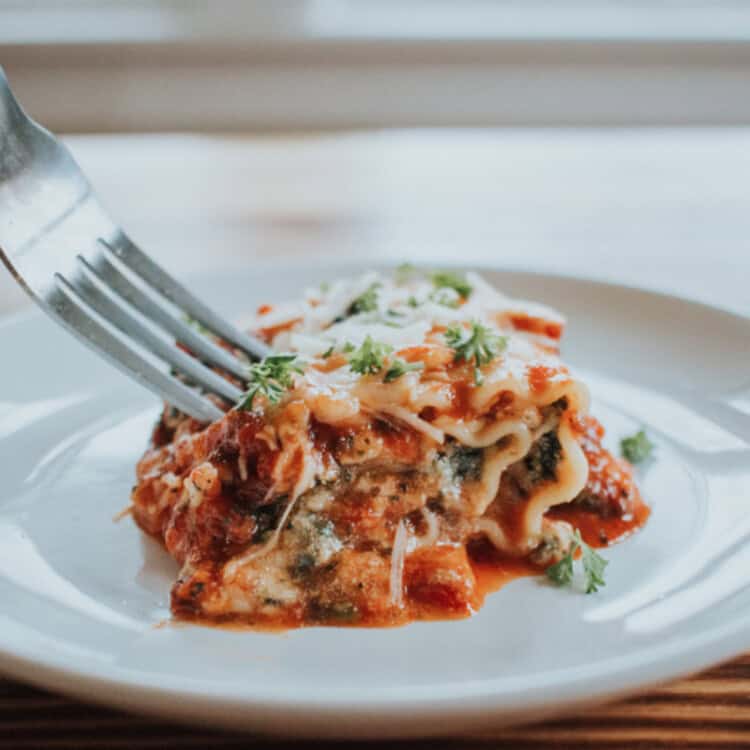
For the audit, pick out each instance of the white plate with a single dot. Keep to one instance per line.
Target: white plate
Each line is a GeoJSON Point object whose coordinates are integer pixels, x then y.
{"type": "Point", "coordinates": [82, 596]}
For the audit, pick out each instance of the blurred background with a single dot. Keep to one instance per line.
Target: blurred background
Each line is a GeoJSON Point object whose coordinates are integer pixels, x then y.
{"type": "Point", "coordinates": [608, 139]}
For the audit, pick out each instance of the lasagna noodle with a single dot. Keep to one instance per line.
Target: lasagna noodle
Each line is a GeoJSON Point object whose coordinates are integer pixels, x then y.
{"type": "Point", "coordinates": [496, 460]}
{"type": "Point", "coordinates": [571, 474]}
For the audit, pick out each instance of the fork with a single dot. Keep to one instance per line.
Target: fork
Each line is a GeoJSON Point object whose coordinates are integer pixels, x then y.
{"type": "Point", "coordinates": [86, 274]}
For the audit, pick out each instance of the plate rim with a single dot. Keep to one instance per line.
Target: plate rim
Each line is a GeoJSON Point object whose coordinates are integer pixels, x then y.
{"type": "Point", "coordinates": [324, 259]}
{"type": "Point", "coordinates": [366, 712]}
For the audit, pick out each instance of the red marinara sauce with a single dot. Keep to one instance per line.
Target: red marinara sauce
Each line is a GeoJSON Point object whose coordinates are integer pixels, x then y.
{"type": "Point", "coordinates": [540, 326]}
{"type": "Point", "coordinates": [620, 509]}
{"type": "Point", "coordinates": [540, 376]}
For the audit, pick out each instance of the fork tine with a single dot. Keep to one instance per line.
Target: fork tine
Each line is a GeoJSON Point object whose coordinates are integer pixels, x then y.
{"type": "Point", "coordinates": [158, 279]}
{"type": "Point", "coordinates": [205, 349]}
{"type": "Point", "coordinates": [88, 326]}
{"type": "Point", "coordinates": [93, 290]}
{"type": "Point", "coordinates": [49, 211]}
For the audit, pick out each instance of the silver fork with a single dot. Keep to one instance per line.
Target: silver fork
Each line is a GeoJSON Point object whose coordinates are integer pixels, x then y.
{"type": "Point", "coordinates": [85, 273]}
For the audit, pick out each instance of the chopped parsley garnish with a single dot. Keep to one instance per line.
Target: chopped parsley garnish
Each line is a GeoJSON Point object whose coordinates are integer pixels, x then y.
{"type": "Point", "coordinates": [480, 344]}
{"type": "Point", "coordinates": [366, 302]}
{"type": "Point", "coordinates": [399, 367]}
{"type": "Point", "coordinates": [403, 273]}
{"type": "Point", "coordinates": [368, 359]}
{"type": "Point", "coordinates": [562, 573]}
{"type": "Point", "coordinates": [636, 448]}
{"type": "Point", "coordinates": [390, 319]}
{"type": "Point", "coordinates": [270, 378]}
{"type": "Point", "coordinates": [446, 298]}
{"type": "Point", "coordinates": [346, 348]}
{"type": "Point", "coordinates": [412, 301]}
{"type": "Point", "coordinates": [452, 280]}
{"type": "Point", "coordinates": [593, 568]}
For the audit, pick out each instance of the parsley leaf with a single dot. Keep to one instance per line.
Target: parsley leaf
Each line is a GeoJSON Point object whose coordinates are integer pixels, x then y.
{"type": "Point", "coordinates": [388, 319]}
{"type": "Point", "coordinates": [366, 302]}
{"type": "Point", "coordinates": [593, 567]}
{"type": "Point", "coordinates": [403, 273]}
{"type": "Point", "coordinates": [269, 378]}
{"type": "Point", "coordinates": [636, 448]}
{"type": "Point", "coordinates": [399, 367]}
{"type": "Point", "coordinates": [412, 301]}
{"type": "Point", "coordinates": [562, 572]}
{"type": "Point", "coordinates": [452, 280]}
{"type": "Point", "coordinates": [368, 359]}
{"type": "Point", "coordinates": [328, 352]}
{"type": "Point", "coordinates": [481, 344]}
{"type": "Point", "coordinates": [446, 298]}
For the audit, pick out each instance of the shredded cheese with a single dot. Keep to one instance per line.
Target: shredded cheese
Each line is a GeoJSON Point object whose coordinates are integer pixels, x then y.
{"type": "Point", "coordinates": [398, 559]}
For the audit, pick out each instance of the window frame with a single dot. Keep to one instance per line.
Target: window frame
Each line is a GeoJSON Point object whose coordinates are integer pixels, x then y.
{"type": "Point", "coordinates": [287, 65]}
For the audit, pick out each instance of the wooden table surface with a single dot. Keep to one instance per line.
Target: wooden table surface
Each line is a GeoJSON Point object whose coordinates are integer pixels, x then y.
{"type": "Point", "coordinates": [668, 209]}
{"type": "Point", "coordinates": [710, 711]}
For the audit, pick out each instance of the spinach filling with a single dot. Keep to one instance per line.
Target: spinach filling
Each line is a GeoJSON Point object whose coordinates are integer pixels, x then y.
{"type": "Point", "coordinates": [267, 518]}
{"type": "Point", "coordinates": [466, 463]}
{"type": "Point", "coordinates": [541, 461]}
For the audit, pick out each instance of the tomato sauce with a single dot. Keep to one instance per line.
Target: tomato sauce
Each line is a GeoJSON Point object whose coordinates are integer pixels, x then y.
{"type": "Point", "coordinates": [269, 333]}
{"type": "Point", "coordinates": [461, 392]}
{"type": "Point", "coordinates": [598, 531]}
{"type": "Point", "coordinates": [541, 326]}
{"type": "Point", "coordinates": [493, 570]}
